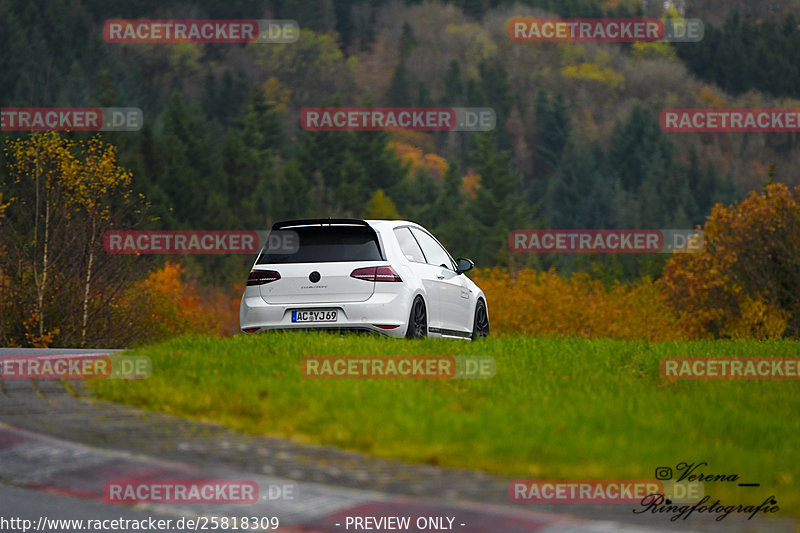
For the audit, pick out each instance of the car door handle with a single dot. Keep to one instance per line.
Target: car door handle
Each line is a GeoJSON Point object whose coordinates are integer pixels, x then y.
{"type": "Point", "coordinates": [439, 277]}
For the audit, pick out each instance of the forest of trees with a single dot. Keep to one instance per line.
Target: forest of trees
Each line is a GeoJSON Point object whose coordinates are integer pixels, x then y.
{"type": "Point", "coordinates": [577, 142]}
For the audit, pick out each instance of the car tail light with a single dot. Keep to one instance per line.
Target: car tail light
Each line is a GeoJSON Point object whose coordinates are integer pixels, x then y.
{"type": "Point", "coordinates": [250, 330]}
{"type": "Point", "coordinates": [260, 277]}
{"type": "Point", "coordinates": [385, 326]}
{"type": "Point", "coordinates": [380, 273]}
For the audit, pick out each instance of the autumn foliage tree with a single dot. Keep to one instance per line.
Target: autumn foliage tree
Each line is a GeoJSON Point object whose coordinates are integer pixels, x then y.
{"type": "Point", "coordinates": [95, 190]}
{"type": "Point", "coordinates": [33, 234]}
{"type": "Point", "coordinates": [62, 195]}
{"type": "Point", "coordinates": [746, 280]}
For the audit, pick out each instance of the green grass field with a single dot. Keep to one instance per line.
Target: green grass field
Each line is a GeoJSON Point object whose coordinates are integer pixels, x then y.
{"type": "Point", "coordinates": [556, 409]}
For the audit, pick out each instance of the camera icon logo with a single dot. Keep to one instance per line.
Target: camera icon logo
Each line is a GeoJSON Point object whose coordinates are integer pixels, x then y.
{"type": "Point", "coordinates": [663, 473]}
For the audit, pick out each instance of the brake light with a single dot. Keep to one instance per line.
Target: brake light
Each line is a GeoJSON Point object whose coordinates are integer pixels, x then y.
{"type": "Point", "coordinates": [379, 273]}
{"type": "Point", "coordinates": [260, 277]}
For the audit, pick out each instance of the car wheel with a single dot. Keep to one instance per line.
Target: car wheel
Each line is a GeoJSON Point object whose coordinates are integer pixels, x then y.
{"type": "Point", "coordinates": [418, 321]}
{"type": "Point", "coordinates": [480, 327]}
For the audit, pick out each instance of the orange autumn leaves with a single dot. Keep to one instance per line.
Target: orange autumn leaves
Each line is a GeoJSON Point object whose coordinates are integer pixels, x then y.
{"type": "Point", "coordinates": [165, 304]}
{"type": "Point", "coordinates": [745, 283]}
{"type": "Point", "coordinates": [416, 159]}
{"type": "Point", "coordinates": [547, 304]}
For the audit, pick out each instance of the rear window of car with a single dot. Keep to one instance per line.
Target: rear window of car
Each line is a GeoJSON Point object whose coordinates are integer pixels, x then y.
{"type": "Point", "coordinates": [329, 244]}
{"type": "Point", "coordinates": [408, 245]}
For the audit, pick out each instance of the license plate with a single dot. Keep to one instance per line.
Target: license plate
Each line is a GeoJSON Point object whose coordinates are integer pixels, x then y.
{"type": "Point", "coordinates": [314, 316]}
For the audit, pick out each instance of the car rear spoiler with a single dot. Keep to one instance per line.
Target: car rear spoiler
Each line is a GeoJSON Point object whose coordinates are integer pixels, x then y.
{"type": "Point", "coordinates": [319, 222]}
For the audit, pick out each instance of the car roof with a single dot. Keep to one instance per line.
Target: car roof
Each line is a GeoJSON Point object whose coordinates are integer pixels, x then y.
{"type": "Point", "coordinates": [377, 224]}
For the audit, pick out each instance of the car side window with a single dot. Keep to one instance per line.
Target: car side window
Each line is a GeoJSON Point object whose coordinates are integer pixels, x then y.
{"type": "Point", "coordinates": [408, 245]}
{"type": "Point", "coordinates": [434, 253]}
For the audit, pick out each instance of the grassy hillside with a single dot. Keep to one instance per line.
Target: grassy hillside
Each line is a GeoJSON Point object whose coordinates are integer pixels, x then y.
{"type": "Point", "coordinates": [557, 408]}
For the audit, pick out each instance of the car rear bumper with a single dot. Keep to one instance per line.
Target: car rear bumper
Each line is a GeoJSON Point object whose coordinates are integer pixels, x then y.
{"type": "Point", "coordinates": [384, 313]}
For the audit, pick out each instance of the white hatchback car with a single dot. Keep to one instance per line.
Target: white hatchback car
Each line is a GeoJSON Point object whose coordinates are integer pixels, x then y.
{"type": "Point", "coordinates": [385, 276]}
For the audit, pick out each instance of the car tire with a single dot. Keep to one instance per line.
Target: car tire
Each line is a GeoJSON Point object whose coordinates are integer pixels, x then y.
{"type": "Point", "coordinates": [418, 320]}
{"type": "Point", "coordinates": [480, 325]}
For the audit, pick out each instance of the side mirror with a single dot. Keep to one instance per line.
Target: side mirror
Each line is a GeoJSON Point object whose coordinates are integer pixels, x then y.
{"type": "Point", "coordinates": [464, 265]}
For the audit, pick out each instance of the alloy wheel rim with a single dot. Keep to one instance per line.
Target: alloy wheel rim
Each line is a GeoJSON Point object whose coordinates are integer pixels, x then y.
{"type": "Point", "coordinates": [419, 319]}
{"type": "Point", "coordinates": [483, 321]}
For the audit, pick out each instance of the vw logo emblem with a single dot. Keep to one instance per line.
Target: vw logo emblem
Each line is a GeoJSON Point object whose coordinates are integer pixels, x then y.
{"type": "Point", "coordinates": [314, 277]}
